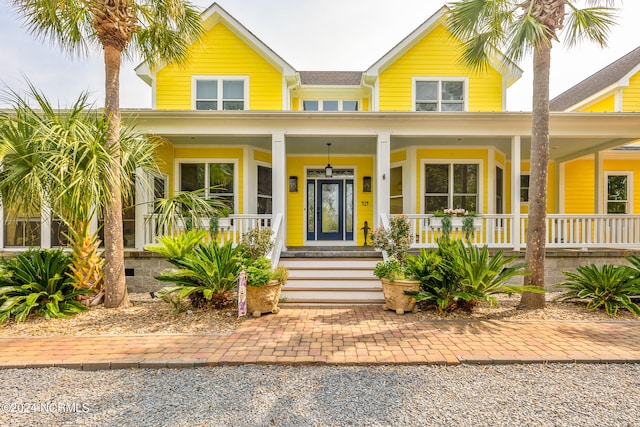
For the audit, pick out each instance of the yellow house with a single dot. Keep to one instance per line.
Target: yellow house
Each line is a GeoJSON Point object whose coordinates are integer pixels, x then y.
{"type": "Point", "coordinates": [321, 156]}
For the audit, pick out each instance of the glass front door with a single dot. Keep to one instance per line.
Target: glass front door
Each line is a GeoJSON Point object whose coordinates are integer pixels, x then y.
{"type": "Point", "coordinates": [329, 209]}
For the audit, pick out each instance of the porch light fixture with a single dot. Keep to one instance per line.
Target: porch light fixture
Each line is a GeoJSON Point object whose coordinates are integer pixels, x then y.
{"type": "Point", "coordinates": [366, 184]}
{"type": "Point", "coordinates": [328, 170]}
{"type": "Point", "coordinates": [293, 184]}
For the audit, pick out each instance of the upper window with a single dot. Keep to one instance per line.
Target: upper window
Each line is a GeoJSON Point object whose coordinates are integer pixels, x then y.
{"type": "Point", "coordinates": [439, 95]}
{"type": "Point", "coordinates": [329, 105]}
{"type": "Point", "coordinates": [220, 93]}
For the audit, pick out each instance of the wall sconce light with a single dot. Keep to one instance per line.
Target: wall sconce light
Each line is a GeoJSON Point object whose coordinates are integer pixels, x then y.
{"type": "Point", "coordinates": [366, 184]}
{"type": "Point", "coordinates": [293, 184]}
{"type": "Point", "coordinates": [328, 170]}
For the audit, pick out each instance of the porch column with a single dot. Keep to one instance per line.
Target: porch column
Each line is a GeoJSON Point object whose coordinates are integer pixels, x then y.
{"type": "Point", "coordinates": [382, 176]}
{"type": "Point", "coordinates": [279, 178]}
{"type": "Point", "coordinates": [515, 191]}
{"type": "Point", "coordinates": [142, 204]}
{"type": "Point", "coordinates": [598, 184]}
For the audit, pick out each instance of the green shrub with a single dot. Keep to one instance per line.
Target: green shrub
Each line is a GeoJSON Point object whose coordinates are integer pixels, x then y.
{"type": "Point", "coordinates": [40, 280]}
{"type": "Point", "coordinates": [257, 242]}
{"type": "Point", "coordinates": [390, 269]}
{"type": "Point", "coordinates": [259, 272]}
{"type": "Point", "coordinates": [608, 286]}
{"type": "Point", "coordinates": [207, 275]}
{"type": "Point", "coordinates": [177, 247]}
{"type": "Point", "coordinates": [396, 240]}
{"type": "Point", "coordinates": [456, 275]}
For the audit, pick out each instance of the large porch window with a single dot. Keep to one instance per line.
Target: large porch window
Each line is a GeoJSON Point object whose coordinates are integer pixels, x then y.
{"type": "Point", "coordinates": [22, 231]}
{"type": "Point", "coordinates": [451, 186]}
{"type": "Point", "coordinates": [213, 178]}
{"type": "Point", "coordinates": [618, 193]}
{"type": "Point", "coordinates": [396, 202]}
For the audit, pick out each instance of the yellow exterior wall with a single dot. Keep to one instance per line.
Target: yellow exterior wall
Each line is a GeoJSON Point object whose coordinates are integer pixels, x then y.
{"type": "Point", "coordinates": [579, 197]}
{"type": "Point", "coordinates": [437, 154]}
{"type": "Point", "coordinates": [220, 53]}
{"type": "Point", "coordinates": [398, 156]}
{"type": "Point", "coordinates": [226, 153]}
{"type": "Point", "coordinates": [262, 156]}
{"type": "Point", "coordinates": [437, 55]}
{"type": "Point", "coordinates": [604, 105]}
{"type": "Point", "coordinates": [551, 187]}
{"type": "Point", "coordinates": [165, 157]}
{"type": "Point", "coordinates": [296, 202]}
{"type": "Point", "coordinates": [631, 95]}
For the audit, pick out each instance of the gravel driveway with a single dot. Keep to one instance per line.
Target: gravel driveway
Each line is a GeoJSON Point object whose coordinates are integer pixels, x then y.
{"type": "Point", "coordinates": [508, 395]}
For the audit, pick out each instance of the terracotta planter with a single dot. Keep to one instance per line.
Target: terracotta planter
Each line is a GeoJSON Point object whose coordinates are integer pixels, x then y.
{"type": "Point", "coordinates": [263, 299]}
{"type": "Point", "coordinates": [394, 297]}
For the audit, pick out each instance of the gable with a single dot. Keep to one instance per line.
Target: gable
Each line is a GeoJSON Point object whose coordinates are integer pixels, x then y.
{"type": "Point", "coordinates": [437, 55]}
{"type": "Point", "coordinates": [220, 52]}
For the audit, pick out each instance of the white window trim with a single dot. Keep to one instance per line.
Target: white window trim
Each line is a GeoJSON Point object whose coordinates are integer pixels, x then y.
{"type": "Point", "coordinates": [480, 164]}
{"type": "Point", "coordinates": [340, 104]}
{"type": "Point", "coordinates": [219, 79]}
{"type": "Point", "coordinates": [464, 80]}
{"type": "Point", "coordinates": [236, 178]}
{"type": "Point", "coordinates": [523, 173]}
{"type": "Point", "coordinates": [605, 193]}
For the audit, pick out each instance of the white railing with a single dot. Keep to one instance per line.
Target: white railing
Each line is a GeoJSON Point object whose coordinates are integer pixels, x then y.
{"type": "Point", "coordinates": [278, 239]}
{"type": "Point", "coordinates": [563, 230]}
{"type": "Point", "coordinates": [230, 229]}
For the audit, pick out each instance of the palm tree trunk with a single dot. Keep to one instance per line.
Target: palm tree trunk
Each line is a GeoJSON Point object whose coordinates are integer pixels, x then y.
{"type": "Point", "coordinates": [536, 232]}
{"type": "Point", "coordinates": [115, 285]}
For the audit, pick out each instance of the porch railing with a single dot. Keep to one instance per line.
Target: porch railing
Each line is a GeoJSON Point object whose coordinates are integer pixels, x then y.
{"type": "Point", "coordinates": [230, 229]}
{"type": "Point", "coordinates": [563, 231]}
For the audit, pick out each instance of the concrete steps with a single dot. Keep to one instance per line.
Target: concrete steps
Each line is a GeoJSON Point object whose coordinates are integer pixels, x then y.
{"type": "Point", "coordinates": [321, 278]}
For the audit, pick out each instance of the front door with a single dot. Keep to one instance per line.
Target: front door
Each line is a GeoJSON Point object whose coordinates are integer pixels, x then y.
{"type": "Point", "coordinates": [330, 212]}
{"type": "Point", "coordinates": [330, 209]}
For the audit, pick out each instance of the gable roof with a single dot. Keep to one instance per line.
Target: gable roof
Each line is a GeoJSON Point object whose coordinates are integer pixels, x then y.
{"type": "Point", "coordinates": [331, 78]}
{"type": "Point", "coordinates": [613, 75]}
{"type": "Point", "coordinates": [502, 64]}
{"type": "Point", "coordinates": [213, 15]}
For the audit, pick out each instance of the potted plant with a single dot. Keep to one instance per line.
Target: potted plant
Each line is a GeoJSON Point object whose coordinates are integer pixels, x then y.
{"type": "Point", "coordinates": [264, 284]}
{"type": "Point", "coordinates": [395, 242]}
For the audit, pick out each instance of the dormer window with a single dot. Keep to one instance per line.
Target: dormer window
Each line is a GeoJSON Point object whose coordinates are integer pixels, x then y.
{"type": "Point", "coordinates": [440, 94]}
{"type": "Point", "coordinates": [220, 93]}
{"type": "Point", "coordinates": [329, 105]}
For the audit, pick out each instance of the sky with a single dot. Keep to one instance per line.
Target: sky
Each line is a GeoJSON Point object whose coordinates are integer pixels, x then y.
{"type": "Point", "coordinates": [311, 35]}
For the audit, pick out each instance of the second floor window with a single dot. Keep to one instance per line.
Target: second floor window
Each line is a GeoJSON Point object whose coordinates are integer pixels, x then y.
{"type": "Point", "coordinates": [220, 94]}
{"type": "Point", "coordinates": [439, 95]}
{"type": "Point", "coordinates": [329, 105]}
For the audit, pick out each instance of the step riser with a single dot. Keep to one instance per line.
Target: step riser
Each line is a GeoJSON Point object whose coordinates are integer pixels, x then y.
{"type": "Point", "coordinates": [319, 296]}
{"type": "Point", "coordinates": [333, 284]}
{"type": "Point", "coordinates": [327, 263]}
{"type": "Point", "coordinates": [330, 274]}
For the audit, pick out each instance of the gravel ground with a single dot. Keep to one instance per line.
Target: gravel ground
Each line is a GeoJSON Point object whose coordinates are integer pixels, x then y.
{"type": "Point", "coordinates": [509, 395]}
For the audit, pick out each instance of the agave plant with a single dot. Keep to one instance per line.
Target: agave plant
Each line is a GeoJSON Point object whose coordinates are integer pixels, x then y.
{"type": "Point", "coordinates": [207, 275]}
{"type": "Point", "coordinates": [40, 280]}
{"type": "Point", "coordinates": [609, 286]}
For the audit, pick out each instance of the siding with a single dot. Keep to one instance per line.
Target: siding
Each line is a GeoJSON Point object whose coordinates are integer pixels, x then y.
{"type": "Point", "coordinates": [220, 52]}
{"type": "Point", "coordinates": [579, 185]}
{"type": "Point", "coordinates": [631, 95]}
{"type": "Point", "coordinates": [605, 105]}
{"type": "Point", "coordinates": [437, 55]}
{"type": "Point", "coordinates": [297, 202]}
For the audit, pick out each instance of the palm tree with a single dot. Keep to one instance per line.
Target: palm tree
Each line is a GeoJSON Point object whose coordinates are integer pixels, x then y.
{"type": "Point", "coordinates": [159, 30]}
{"type": "Point", "coordinates": [519, 27]}
{"type": "Point", "coordinates": [60, 160]}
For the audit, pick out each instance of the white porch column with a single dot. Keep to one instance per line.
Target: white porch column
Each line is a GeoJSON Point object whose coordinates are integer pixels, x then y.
{"type": "Point", "coordinates": [515, 191]}
{"type": "Point", "coordinates": [598, 184]}
{"type": "Point", "coordinates": [45, 227]}
{"type": "Point", "coordinates": [382, 177]}
{"type": "Point", "coordinates": [141, 201]}
{"type": "Point", "coordinates": [279, 178]}
{"type": "Point", "coordinates": [410, 182]}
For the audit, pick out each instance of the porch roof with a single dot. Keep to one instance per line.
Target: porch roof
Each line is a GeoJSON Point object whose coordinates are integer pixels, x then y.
{"type": "Point", "coordinates": [572, 135]}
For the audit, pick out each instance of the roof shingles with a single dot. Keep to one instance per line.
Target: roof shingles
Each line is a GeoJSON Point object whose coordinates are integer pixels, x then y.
{"type": "Point", "coordinates": [331, 78]}
{"type": "Point", "coordinates": [604, 78]}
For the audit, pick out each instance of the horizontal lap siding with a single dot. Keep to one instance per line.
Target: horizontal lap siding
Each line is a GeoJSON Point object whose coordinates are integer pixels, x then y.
{"type": "Point", "coordinates": [579, 186]}
{"type": "Point", "coordinates": [631, 95]}
{"type": "Point", "coordinates": [220, 53]}
{"type": "Point", "coordinates": [437, 55]}
{"type": "Point", "coordinates": [606, 105]}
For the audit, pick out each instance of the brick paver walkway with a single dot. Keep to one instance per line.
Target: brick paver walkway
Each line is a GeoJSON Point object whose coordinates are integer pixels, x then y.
{"type": "Point", "coordinates": [339, 335]}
